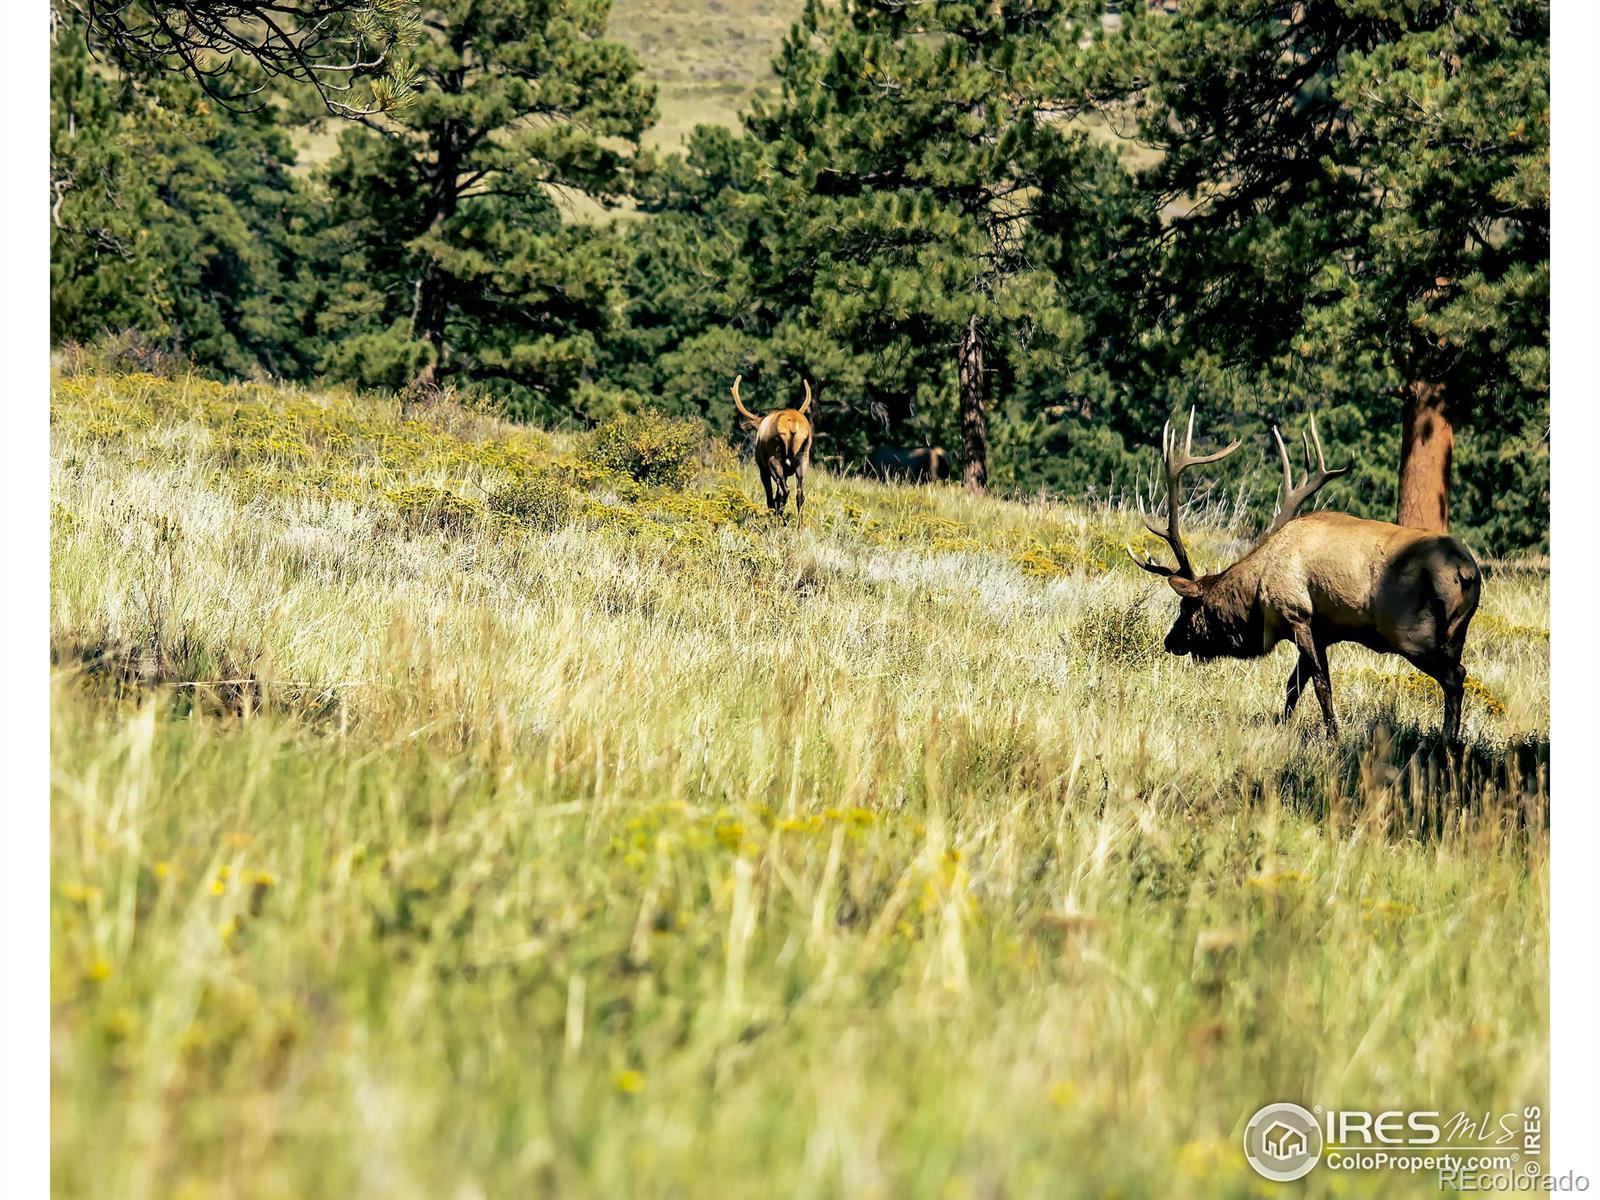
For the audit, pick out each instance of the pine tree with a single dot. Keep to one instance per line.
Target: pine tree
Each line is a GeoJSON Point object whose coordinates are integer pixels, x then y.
{"type": "Point", "coordinates": [905, 161]}
{"type": "Point", "coordinates": [445, 244]}
{"type": "Point", "coordinates": [1363, 195]}
{"type": "Point", "coordinates": [343, 51]}
{"type": "Point", "coordinates": [170, 217]}
{"type": "Point", "coordinates": [708, 299]}
{"type": "Point", "coordinates": [694, 315]}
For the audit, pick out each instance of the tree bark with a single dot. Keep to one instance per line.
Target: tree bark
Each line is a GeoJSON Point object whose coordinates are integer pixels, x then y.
{"type": "Point", "coordinates": [974, 427]}
{"type": "Point", "coordinates": [428, 314]}
{"type": "Point", "coordinates": [431, 306]}
{"type": "Point", "coordinates": [1427, 443]}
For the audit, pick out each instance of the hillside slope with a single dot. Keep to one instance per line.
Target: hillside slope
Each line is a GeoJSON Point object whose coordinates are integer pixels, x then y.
{"type": "Point", "coordinates": [439, 811]}
{"type": "Point", "coordinates": [706, 57]}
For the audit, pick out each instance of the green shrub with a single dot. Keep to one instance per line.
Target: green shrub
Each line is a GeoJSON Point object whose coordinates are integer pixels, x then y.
{"type": "Point", "coordinates": [645, 448]}
{"type": "Point", "coordinates": [540, 501]}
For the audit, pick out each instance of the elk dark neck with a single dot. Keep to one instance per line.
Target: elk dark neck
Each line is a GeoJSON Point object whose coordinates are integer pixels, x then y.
{"type": "Point", "coordinates": [1233, 616]}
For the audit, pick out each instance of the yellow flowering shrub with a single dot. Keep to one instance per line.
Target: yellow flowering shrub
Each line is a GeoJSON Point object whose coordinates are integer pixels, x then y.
{"type": "Point", "coordinates": [646, 448]}
{"type": "Point", "coordinates": [423, 507]}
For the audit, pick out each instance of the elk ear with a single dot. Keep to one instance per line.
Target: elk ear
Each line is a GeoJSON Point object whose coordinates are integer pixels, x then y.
{"type": "Point", "coordinates": [1184, 587]}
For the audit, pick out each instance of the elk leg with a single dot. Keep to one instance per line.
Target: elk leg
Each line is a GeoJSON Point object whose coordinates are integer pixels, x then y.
{"type": "Point", "coordinates": [1312, 647]}
{"type": "Point", "coordinates": [800, 492]}
{"type": "Point", "coordinates": [1455, 690]}
{"type": "Point", "coordinates": [766, 485]}
{"type": "Point", "coordinates": [1445, 668]}
{"type": "Point", "coordinates": [1305, 668]}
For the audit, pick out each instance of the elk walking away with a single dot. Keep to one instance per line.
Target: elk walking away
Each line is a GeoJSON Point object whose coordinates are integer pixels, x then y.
{"type": "Point", "coordinates": [783, 450]}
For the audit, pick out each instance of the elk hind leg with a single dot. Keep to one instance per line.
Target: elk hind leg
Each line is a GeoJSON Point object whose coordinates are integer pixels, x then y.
{"type": "Point", "coordinates": [1445, 667]}
{"type": "Point", "coordinates": [765, 470]}
{"type": "Point", "coordinates": [1457, 674]}
{"type": "Point", "coordinates": [800, 490]}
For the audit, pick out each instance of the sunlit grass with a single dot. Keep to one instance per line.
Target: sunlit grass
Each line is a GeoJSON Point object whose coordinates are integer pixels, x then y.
{"type": "Point", "coordinates": [438, 813]}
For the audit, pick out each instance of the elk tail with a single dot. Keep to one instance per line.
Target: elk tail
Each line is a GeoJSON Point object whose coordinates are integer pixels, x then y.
{"type": "Point", "coordinates": [1467, 583]}
{"type": "Point", "coordinates": [739, 404]}
{"type": "Point", "coordinates": [1468, 580]}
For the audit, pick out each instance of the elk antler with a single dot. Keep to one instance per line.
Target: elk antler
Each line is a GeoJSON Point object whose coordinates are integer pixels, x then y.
{"type": "Point", "coordinates": [807, 405]}
{"type": "Point", "coordinates": [739, 404]}
{"type": "Point", "coordinates": [1176, 464]}
{"type": "Point", "coordinates": [1294, 497]}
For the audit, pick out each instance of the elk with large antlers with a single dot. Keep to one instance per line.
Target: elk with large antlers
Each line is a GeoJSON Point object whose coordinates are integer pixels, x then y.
{"type": "Point", "coordinates": [783, 448]}
{"type": "Point", "coordinates": [1317, 579]}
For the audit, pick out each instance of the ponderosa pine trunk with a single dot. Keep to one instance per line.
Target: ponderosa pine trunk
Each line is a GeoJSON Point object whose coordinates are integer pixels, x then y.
{"type": "Point", "coordinates": [974, 426]}
{"type": "Point", "coordinates": [428, 315]}
{"type": "Point", "coordinates": [431, 306]}
{"type": "Point", "coordinates": [1427, 443]}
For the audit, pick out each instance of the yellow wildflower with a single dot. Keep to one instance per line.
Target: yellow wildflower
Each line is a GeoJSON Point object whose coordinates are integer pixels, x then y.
{"type": "Point", "coordinates": [630, 1083]}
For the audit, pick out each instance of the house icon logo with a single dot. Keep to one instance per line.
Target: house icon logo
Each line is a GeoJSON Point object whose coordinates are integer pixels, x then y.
{"type": "Point", "coordinates": [1282, 1142]}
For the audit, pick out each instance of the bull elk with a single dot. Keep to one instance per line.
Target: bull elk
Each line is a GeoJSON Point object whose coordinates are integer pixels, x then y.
{"type": "Point", "coordinates": [917, 464]}
{"type": "Point", "coordinates": [783, 448]}
{"type": "Point", "coordinates": [1318, 579]}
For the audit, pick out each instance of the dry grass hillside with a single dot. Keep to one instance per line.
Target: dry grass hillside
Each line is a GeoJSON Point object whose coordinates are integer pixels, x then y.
{"type": "Point", "coordinates": [706, 57]}
{"type": "Point", "coordinates": [441, 807]}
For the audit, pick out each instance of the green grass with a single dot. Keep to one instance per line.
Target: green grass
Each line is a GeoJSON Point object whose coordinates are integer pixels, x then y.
{"type": "Point", "coordinates": [436, 812]}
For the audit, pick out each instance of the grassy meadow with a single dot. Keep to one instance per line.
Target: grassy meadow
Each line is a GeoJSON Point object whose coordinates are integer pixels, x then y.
{"type": "Point", "coordinates": [442, 807]}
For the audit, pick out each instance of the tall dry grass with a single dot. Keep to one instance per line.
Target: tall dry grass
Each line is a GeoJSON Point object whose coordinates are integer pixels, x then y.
{"type": "Point", "coordinates": [438, 813]}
